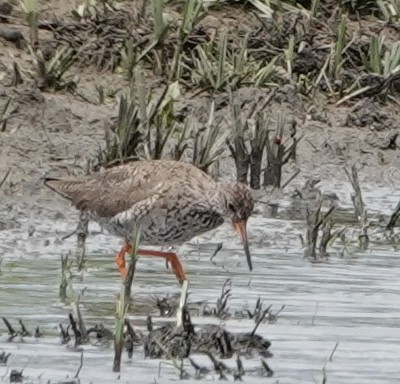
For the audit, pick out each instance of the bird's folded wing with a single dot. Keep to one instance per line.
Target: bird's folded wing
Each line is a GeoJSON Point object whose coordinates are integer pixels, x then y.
{"type": "Point", "coordinates": [129, 191]}
{"type": "Point", "coordinates": [165, 199]}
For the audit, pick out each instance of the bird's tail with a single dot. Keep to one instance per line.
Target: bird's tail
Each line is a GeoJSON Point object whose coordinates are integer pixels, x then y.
{"type": "Point", "coordinates": [63, 187]}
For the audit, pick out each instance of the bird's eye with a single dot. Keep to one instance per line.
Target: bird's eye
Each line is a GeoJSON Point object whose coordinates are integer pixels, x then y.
{"type": "Point", "coordinates": [231, 207]}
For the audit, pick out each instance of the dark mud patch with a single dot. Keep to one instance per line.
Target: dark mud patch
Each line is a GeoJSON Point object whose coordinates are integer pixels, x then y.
{"type": "Point", "coordinates": [370, 114]}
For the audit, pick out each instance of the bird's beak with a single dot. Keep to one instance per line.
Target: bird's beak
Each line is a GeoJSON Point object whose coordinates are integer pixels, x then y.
{"type": "Point", "coordinates": [240, 227]}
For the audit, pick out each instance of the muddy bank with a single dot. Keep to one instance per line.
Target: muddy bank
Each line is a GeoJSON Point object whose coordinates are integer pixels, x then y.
{"type": "Point", "coordinates": [64, 131]}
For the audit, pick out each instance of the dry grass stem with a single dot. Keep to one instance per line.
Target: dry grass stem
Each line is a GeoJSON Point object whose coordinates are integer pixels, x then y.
{"type": "Point", "coordinates": [66, 266]}
{"type": "Point", "coordinates": [359, 206]}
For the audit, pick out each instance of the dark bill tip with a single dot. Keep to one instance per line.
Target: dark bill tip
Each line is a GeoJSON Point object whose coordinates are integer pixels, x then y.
{"type": "Point", "coordinates": [240, 227]}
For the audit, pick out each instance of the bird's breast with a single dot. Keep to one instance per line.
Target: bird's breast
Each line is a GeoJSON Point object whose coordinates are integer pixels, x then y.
{"type": "Point", "coordinates": [178, 226]}
{"type": "Point", "coordinates": [165, 227]}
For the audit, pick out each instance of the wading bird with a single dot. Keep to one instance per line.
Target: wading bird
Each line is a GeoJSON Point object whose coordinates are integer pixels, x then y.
{"type": "Point", "coordinates": [171, 201]}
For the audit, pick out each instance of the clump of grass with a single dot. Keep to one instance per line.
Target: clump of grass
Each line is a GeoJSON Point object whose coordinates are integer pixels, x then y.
{"type": "Point", "coordinates": [339, 48]}
{"type": "Point", "coordinates": [159, 123]}
{"type": "Point", "coordinates": [280, 152]}
{"type": "Point", "coordinates": [160, 29]}
{"type": "Point", "coordinates": [389, 10]}
{"type": "Point", "coordinates": [259, 137]}
{"type": "Point", "coordinates": [132, 55]}
{"type": "Point", "coordinates": [391, 60]}
{"type": "Point", "coordinates": [124, 145]}
{"type": "Point", "coordinates": [208, 143]}
{"type": "Point", "coordinates": [373, 62]}
{"type": "Point", "coordinates": [191, 16]}
{"type": "Point", "coordinates": [53, 74]}
{"type": "Point", "coordinates": [275, 155]}
{"type": "Point", "coordinates": [265, 74]}
{"type": "Point", "coordinates": [316, 242]}
{"type": "Point", "coordinates": [218, 67]}
{"type": "Point", "coordinates": [382, 60]}
{"type": "Point", "coordinates": [146, 128]}
{"type": "Point", "coordinates": [237, 143]}
{"type": "Point", "coordinates": [251, 144]}
{"type": "Point", "coordinates": [193, 13]}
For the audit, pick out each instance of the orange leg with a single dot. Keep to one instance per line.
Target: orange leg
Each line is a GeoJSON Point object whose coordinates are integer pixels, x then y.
{"type": "Point", "coordinates": [120, 259]}
{"type": "Point", "coordinates": [170, 258]}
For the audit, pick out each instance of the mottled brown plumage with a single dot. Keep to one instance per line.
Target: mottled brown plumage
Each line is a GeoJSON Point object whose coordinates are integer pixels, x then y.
{"type": "Point", "coordinates": [171, 201]}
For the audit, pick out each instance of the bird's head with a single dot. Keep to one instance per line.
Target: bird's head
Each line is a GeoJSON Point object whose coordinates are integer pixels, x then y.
{"type": "Point", "coordinates": [238, 206]}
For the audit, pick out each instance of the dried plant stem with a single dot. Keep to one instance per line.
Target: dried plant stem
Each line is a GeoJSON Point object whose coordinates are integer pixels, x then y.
{"type": "Point", "coordinates": [293, 136]}
{"type": "Point", "coordinates": [241, 157]}
{"type": "Point", "coordinates": [4, 116]}
{"type": "Point", "coordinates": [325, 237]}
{"type": "Point", "coordinates": [175, 61]}
{"type": "Point", "coordinates": [361, 212]}
{"type": "Point", "coordinates": [82, 233]}
{"type": "Point", "coordinates": [32, 19]}
{"type": "Point", "coordinates": [258, 140]}
{"type": "Point", "coordinates": [238, 146]}
{"type": "Point", "coordinates": [123, 302]}
{"type": "Point", "coordinates": [393, 219]}
{"type": "Point", "coordinates": [3, 180]}
{"type": "Point", "coordinates": [179, 367]}
{"type": "Point", "coordinates": [275, 152]}
{"type": "Point", "coordinates": [80, 367]}
{"type": "Point", "coordinates": [121, 310]}
{"type": "Point", "coordinates": [290, 179]}
{"type": "Point", "coordinates": [79, 317]}
{"type": "Point", "coordinates": [208, 143]}
{"type": "Point", "coordinates": [279, 154]}
{"type": "Point", "coordinates": [31, 10]}
{"type": "Point", "coordinates": [132, 264]}
{"type": "Point", "coordinates": [315, 220]}
{"type": "Point", "coordinates": [65, 277]}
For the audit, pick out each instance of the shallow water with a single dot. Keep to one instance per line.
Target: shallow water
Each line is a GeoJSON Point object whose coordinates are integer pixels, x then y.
{"type": "Point", "coordinates": [352, 301]}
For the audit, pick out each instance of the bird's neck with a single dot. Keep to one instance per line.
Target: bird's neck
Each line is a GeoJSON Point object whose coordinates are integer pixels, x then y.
{"type": "Point", "coordinates": [218, 198]}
